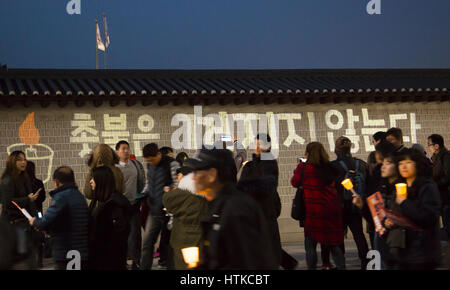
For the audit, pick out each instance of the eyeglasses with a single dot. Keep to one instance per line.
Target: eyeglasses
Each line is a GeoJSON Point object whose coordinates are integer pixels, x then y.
{"type": "Point", "coordinates": [429, 145]}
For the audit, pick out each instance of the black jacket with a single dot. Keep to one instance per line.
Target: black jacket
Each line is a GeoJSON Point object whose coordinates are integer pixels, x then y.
{"type": "Point", "coordinates": [258, 167]}
{"type": "Point", "coordinates": [7, 245]}
{"type": "Point", "coordinates": [236, 234]}
{"type": "Point", "coordinates": [441, 174]}
{"type": "Point", "coordinates": [108, 233]}
{"type": "Point", "coordinates": [423, 208]}
{"type": "Point", "coordinates": [35, 185]}
{"type": "Point", "coordinates": [16, 190]}
{"type": "Point", "coordinates": [263, 190]}
{"type": "Point", "coordinates": [67, 222]}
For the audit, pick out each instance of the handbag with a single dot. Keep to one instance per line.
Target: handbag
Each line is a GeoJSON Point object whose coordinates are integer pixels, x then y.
{"type": "Point", "coordinates": [298, 203]}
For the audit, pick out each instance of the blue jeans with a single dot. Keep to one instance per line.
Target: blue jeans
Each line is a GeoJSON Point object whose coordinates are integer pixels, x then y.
{"type": "Point", "coordinates": [153, 227]}
{"type": "Point", "coordinates": [311, 254]}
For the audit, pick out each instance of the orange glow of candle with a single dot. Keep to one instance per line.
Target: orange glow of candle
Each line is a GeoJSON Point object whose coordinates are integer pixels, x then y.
{"type": "Point", "coordinates": [347, 183]}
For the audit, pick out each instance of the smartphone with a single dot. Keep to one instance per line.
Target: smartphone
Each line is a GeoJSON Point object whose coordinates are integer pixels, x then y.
{"type": "Point", "coordinates": [301, 159]}
{"type": "Point", "coordinates": [226, 138]}
{"type": "Point", "coordinates": [39, 214]}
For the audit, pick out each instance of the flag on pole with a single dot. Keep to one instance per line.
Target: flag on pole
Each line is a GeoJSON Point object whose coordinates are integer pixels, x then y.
{"type": "Point", "coordinates": [106, 32]}
{"type": "Point", "coordinates": [100, 44]}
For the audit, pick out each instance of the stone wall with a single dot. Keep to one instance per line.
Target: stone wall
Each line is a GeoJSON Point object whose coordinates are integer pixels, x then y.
{"type": "Point", "coordinates": [55, 136]}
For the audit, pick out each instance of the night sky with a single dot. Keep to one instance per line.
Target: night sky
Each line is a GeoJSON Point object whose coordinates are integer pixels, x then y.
{"type": "Point", "coordinates": [227, 34]}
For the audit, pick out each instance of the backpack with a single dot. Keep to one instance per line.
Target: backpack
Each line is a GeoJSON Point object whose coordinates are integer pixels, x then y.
{"type": "Point", "coordinates": [358, 179]}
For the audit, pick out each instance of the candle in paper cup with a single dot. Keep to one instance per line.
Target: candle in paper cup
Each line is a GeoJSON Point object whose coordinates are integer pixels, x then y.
{"type": "Point", "coordinates": [347, 183]}
{"type": "Point", "coordinates": [190, 256]}
{"type": "Point", "coordinates": [401, 189]}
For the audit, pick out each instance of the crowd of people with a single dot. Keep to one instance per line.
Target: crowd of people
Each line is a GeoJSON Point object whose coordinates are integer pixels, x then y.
{"type": "Point", "coordinates": [228, 207]}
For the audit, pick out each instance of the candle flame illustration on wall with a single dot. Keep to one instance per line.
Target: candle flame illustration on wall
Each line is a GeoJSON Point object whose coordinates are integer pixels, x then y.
{"type": "Point", "coordinates": [40, 154]}
{"type": "Point", "coordinates": [28, 132]}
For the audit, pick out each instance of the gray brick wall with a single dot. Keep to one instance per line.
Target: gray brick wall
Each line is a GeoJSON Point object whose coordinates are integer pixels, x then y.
{"type": "Point", "coordinates": [61, 137]}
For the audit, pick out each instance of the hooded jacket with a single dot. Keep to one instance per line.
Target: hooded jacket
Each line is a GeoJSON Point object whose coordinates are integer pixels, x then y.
{"type": "Point", "coordinates": [188, 210]}
{"type": "Point", "coordinates": [108, 233]}
{"type": "Point", "coordinates": [103, 155]}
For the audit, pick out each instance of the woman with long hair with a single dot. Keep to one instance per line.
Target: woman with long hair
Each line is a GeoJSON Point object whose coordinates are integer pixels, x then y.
{"type": "Point", "coordinates": [323, 212]}
{"type": "Point", "coordinates": [103, 155]}
{"type": "Point", "coordinates": [16, 187]}
{"type": "Point", "coordinates": [421, 248]}
{"type": "Point", "coordinates": [110, 222]}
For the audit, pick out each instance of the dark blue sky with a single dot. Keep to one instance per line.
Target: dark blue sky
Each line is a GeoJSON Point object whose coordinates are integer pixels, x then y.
{"type": "Point", "coordinates": [228, 34]}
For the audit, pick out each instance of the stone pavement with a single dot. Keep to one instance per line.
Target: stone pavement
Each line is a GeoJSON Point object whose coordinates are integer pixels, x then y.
{"type": "Point", "coordinates": [297, 250]}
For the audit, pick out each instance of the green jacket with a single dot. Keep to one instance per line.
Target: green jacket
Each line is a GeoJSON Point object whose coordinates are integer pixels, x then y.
{"type": "Point", "coordinates": [188, 210]}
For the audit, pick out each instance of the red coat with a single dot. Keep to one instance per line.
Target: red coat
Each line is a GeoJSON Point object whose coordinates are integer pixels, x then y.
{"type": "Point", "coordinates": [323, 211]}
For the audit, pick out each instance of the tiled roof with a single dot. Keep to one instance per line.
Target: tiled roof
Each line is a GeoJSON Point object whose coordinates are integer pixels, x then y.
{"type": "Point", "coordinates": [221, 86]}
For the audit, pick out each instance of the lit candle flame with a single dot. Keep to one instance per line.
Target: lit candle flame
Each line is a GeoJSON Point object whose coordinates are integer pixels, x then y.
{"type": "Point", "coordinates": [190, 256]}
{"type": "Point", "coordinates": [347, 183]}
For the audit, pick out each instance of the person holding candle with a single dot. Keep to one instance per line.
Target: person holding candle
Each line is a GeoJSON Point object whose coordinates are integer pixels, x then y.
{"type": "Point", "coordinates": [323, 212]}
{"type": "Point", "coordinates": [421, 204]}
{"type": "Point", "coordinates": [388, 243]}
{"type": "Point", "coordinates": [235, 229]}
{"type": "Point", "coordinates": [16, 187]}
{"type": "Point", "coordinates": [358, 171]}
{"type": "Point", "coordinates": [188, 209]}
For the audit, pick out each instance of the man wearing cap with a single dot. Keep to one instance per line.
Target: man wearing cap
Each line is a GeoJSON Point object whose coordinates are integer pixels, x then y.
{"type": "Point", "coordinates": [235, 229]}
{"type": "Point", "coordinates": [188, 209]}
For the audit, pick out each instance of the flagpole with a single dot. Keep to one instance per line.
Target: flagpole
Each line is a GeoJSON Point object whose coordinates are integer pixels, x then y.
{"type": "Point", "coordinates": [96, 46]}
{"type": "Point", "coordinates": [104, 32]}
